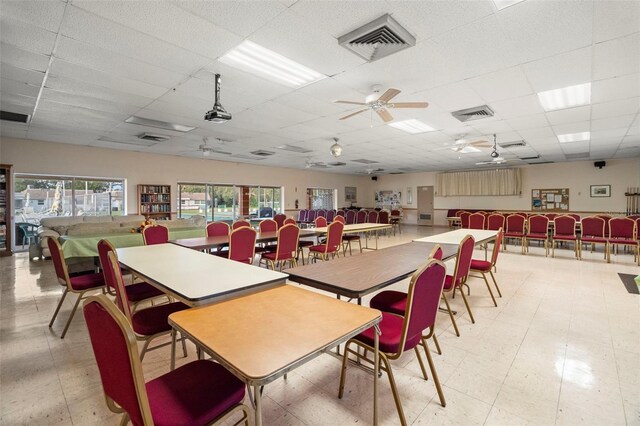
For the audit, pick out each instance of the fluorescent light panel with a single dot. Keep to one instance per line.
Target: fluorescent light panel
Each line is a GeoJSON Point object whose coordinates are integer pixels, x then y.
{"type": "Point", "coordinates": [501, 4]}
{"type": "Point", "coordinates": [567, 97]}
{"type": "Point", "coordinates": [262, 62]}
{"type": "Point", "coordinates": [159, 124]}
{"type": "Point", "coordinates": [412, 126]}
{"type": "Point", "coordinates": [574, 137]}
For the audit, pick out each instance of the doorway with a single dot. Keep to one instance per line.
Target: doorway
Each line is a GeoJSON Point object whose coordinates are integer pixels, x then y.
{"type": "Point", "coordinates": [425, 205]}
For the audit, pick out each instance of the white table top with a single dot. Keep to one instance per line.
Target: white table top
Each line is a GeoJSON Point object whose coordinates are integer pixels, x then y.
{"type": "Point", "coordinates": [455, 237]}
{"type": "Point", "coordinates": [193, 277]}
{"type": "Point", "coordinates": [358, 227]}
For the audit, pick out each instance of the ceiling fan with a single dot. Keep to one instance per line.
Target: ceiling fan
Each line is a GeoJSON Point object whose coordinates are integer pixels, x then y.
{"type": "Point", "coordinates": [462, 145]}
{"type": "Point", "coordinates": [370, 171]}
{"type": "Point", "coordinates": [207, 150]}
{"type": "Point", "coordinates": [381, 104]}
{"type": "Point", "coordinates": [495, 156]}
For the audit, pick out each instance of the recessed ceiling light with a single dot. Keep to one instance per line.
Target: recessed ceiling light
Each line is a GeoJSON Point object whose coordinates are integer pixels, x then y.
{"type": "Point", "coordinates": [501, 4]}
{"type": "Point", "coordinates": [574, 137]}
{"type": "Point", "coordinates": [567, 97]}
{"type": "Point", "coordinates": [159, 124]}
{"type": "Point", "coordinates": [412, 126]}
{"type": "Point", "coordinates": [260, 61]}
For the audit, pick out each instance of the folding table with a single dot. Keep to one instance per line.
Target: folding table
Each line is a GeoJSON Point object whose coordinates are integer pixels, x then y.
{"type": "Point", "coordinates": [204, 243]}
{"type": "Point", "coordinates": [356, 228]}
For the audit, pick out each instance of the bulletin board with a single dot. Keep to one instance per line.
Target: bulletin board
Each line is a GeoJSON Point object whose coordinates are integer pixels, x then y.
{"type": "Point", "coordinates": [550, 200]}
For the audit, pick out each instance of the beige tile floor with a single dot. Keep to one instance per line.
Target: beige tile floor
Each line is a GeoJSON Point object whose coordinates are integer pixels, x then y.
{"type": "Point", "coordinates": [562, 347]}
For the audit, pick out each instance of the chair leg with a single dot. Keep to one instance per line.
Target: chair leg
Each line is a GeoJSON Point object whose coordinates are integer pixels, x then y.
{"type": "Point", "coordinates": [466, 303]}
{"type": "Point", "coordinates": [184, 345]}
{"type": "Point", "coordinates": [434, 374]}
{"type": "Point", "coordinates": [553, 248]}
{"type": "Point", "coordinates": [55, 314]}
{"type": "Point", "coordinates": [394, 388]}
{"type": "Point", "coordinates": [484, 276]}
{"type": "Point", "coordinates": [495, 282]}
{"type": "Point", "coordinates": [360, 244]}
{"type": "Point", "coordinates": [435, 341]}
{"type": "Point", "coordinates": [343, 370]}
{"type": "Point", "coordinates": [424, 371]}
{"type": "Point", "coordinates": [73, 312]}
{"type": "Point", "coordinates": [453, 320]}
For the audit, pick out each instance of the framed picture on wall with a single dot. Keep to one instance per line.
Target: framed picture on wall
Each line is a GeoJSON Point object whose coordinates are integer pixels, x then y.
{"type": "Point", "coordinates": [350, 194]}
{"type": "Point", "coordinates": [600, 190]}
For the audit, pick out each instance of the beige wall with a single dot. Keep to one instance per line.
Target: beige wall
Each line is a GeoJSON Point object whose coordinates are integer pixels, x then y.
{"type": "Point", "coordinates": [39, 157]}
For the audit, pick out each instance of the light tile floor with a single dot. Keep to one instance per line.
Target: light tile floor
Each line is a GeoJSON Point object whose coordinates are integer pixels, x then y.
{"type": "Point", "coordinates": [562, 347]}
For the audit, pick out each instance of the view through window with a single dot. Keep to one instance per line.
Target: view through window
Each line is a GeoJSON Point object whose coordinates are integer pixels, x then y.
{"type": "Point", "coordinates": [324, 199]}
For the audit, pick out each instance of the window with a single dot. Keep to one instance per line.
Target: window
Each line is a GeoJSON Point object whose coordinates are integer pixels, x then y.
{"type": "Point", "coordinates": [324, 199]}
{"type": "Point", "coordinates": [265, 201]}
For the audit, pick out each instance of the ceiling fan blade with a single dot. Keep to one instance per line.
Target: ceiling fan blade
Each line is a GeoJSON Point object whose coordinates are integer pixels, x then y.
{"type": "Point", "coordinates": [481, 145]}
{"type": "Point", "coordinates": [355, 113]}
{"type": "Point", "coordinates": [384, 114]}
{"type": "Point", "coordinates": [478, 142]}
{"type": "Point", "coordinates": [388, 95]}
{"type": "Point", "coordinates": [411, 104]}
{"type": "Point", "coordinates": [349, 102]}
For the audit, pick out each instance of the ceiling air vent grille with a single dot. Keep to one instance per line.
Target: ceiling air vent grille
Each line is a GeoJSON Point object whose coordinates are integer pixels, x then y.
{"type": "Point", "coordinates": [337, 164]}
{"type": "Point", "coordinates": [577, 155]}
{"type": "Point", "coordinates": [14, 116]}
{"type": "Point", "coordinates": [153, 137]}
{"type": "Point", "coordinates": [377, 39]}
{"type": "Point", "coordinates": [475, 113]}
{"type": "Point", "coordinates": [294, 148]}
{"type": "Point", "coordinates": [262, 153]}
{"type": "Point", "coordinates": [512, 144]}
{"type": "Point", "coordinates": [364, 161]}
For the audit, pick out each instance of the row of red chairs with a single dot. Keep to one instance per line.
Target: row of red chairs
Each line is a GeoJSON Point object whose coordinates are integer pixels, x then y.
{"type": "Point", "coordinates": [351, 216]}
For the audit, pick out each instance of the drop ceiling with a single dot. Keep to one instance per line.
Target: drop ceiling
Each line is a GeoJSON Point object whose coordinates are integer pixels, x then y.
{"type": "Point", "coordinates": [81, 68]}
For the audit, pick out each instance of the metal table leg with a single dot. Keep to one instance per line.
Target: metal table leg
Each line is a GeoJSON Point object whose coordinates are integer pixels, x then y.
{"type": "Point", "coordinates": [258, 404]}
{"type": "Point", "coordinates": [376, 368]}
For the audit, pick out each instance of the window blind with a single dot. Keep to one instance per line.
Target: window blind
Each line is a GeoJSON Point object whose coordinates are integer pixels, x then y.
{"type": "Point", "coordinates": [480, 182]}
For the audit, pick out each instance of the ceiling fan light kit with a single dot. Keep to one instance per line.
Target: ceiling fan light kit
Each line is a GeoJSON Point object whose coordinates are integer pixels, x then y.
{"type": "Point", "coordinates": [381, 105]}
{"type": "Point", "coordinates": [336, 148]}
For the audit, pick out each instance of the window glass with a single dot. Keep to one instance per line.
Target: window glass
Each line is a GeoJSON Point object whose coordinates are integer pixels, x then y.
{"type": "Point", "coordinates": [321, 198]}
{"type": "Point", "coordinates": [192, 200]}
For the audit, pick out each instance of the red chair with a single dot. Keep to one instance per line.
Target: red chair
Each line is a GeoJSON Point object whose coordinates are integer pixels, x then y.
{"type": "Point", "coordinates": [551, 216]}
{"type": "Point", "coordinates": [286, 248]}
{"type": "Point", "coordinates": [564, 229]}
{"type": "Point", "coordinates": [302, 215]}
{"type": "Point", "coordinates": [515, 229]}
{"type": "Point", "coordinates": [403, 333]}
{"type": "Point", "coordinates": [593, 232]}
{"type": "Point", "coordinates": [623, 231]}
{"type": "Point", "coordinates": [394, 219]}
{"type": "Point", "coordinates": [148, 324]}
{"type": "Point", "coordinates": [242, 245]}
{"type": "Point", "coordinates": [459, 278]}
{"type": "Point", "coordinates": [607, 218]}
{"type": "Point", "coordinates": [373, 217]}
{"type": "Point", "coordinates": [311, 216]}
{"type": "Point", "coordinates": [361, 216]}
{"type": "Point", "coordinates": [290, 221]}
{"type": "Point", "coordinates": [341, 213]}
{"type": "Point", "coordinates": [268, 225]}
{"type": "Point", "coordinates": [79, 285]}
{"type": "Point", "coordinates": [484, 266]}
{"type": "Point", "coordinates": [280, 218]}
{"type": "Point", "coordinates": [322, 213]}
{"type": "Point", "coordinates": [240, 224]}
{"type": "Point", "coordinates": [537, 230]}
{"type": "Point", "coordinates": [383, 217]}
{"type": "Point", "coordinates": [347, 239]}
{"type": "Point", "coordinates": [340, 219]}
{"type": "Point", "coordinates": [320, 222]}
{"type": "Point", "coordinates": [464, 220]}
{"type": "Point", "coordinates": [197, 393]}
{"type": "Point", "coordinates": [156, 234]}
{"type": "Point", "coordinates": [495, 221]}
{"type": "Point", "coordinates": [476, 221]}
{"type": "Point", "coordinates": [136, 293]}
{"type": "Point", "coordinates": [217, 229]}
{"type": "Point", "coordinates": [331, 245]}
{"type": "Point", "coordinates": [350, 217]}
{"type": "Point", "coordinates": [575, 216]}
{"type": "Point", "coordinates": [331, 214]}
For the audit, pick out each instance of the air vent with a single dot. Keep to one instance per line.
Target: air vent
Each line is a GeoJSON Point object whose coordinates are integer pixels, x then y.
{"type": "Point", "coordinates": [14, 116]}
{"type": "Point", "coordinates": [377, 39]}
{"type": "Point", "coordinates": [318, 166]}
{"type": "Point", "coordinates": [396, 173]}
{"type": "Point", "coordinates": [542, 162]}
{"type": "Point", "coordinates": [337, 164]}
{"type": "Point", "coordinates": [529, 158]}
{"type": "Point", "coordinates": [133, 142]}
{"type": "Point", "coordinates": [247, 157]}
{"type": "Point", "coordinates": [293, 148]}
{"type": "Point", "coordinates": [577, 155]}
{"type": "Point", "coordinates": [159, 124]}
{"type": "Point", "coordinates": [365, 161]}
{"type": "Point", "coordinates": [153, 137]}
{"type": "Point", "coordinates": [475, 113]}
{"type": "Point", "coordinates": [512, 144]}
{"type": "Point", "coordinates": [262, 153]}
{"type": "Point", "coordinates": [408, 169]}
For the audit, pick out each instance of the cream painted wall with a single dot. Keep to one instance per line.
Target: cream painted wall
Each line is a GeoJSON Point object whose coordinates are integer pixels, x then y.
{"type": "Point", "coordinates": [38, 157]}
{"type": "Point", "coordinates": [577, 176]}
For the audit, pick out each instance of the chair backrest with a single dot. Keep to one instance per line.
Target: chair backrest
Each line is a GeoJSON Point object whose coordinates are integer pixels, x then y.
{"type": "Point", "coordinates": [564, 225]}
{"type": "Point", "coordinates": [320, 222]}
{"type": "Point", "coordinates": [593, 227]}
{"type": "Point", "coordinates": [334, 236]}
{"type": "Point", "coordinates": [476, 221]}
{"type": "Point", "coordinates": [156, 234]}
{"type": "Point", "coordinates": [311, 215]}
{"type": "Point", "coordinates": [436, 252]}
{"type": "Point", "coordinates": [575, 216]}
{"type": "Point", "coordinates": [116, 352]}
{"type": "Point", "coordinates": [463, 261]}
{"type": "Point", "coordinates": [104, 248]}
{"type": "Point", "coordinates": [280, 218]}
{"type": "Point", "coordinates": [242, 245]}
{"type": "Point", "coordinates": [607, 218]}
{"type": "Point", "coordinates": [464, 219]}
{"type": "Point", "coordinates": [340, 219]}
{"type": "Point", "coordinates": [551, 216]}
{"type": "Point", "coordinates": [302, 215]}
{"type": "Point", "coordinates": [373, 217]}
{"type": "Point", "coordinates": [395, 212]}
{"type": "Point", "coordinates": [287, 247]}
{"type": "Point", "coordinates": [537, 224]}
{"type": "Point", "coordinates": [59, 264]}
{"type": "Point", "coordinates": [268, 225]}
{"type": "Point", "coordinates": [113, 278]}
{"type": "Point", "coordinates": [631, 216]}
{"type": "Point", "coordinates": [496, 247]}
{"type": "Point", "coordinates": [341, 213]}
{"type": "Point", "coordinates": [217, 229]}
{"type": "Point", "coordinates": [321, 213]}
{"type": "Point", "coordinates": [515, 223]}
{"type": "Point", "coordinates": [622, 227]}
{"type": "Point", "coordinates": [351, 217]}
{"type": "Point", "coordinates": [240, 224]}
{"type": "Point", "coordinates": [331, 214]}
{"type": "Point", "coordinates": [495, 221]}
{"type": "Point", "coordinates": [361, 216]}
{"type": "Point", "coordinates": [383, 217]}
{"type": "Point", "coordinates": [290, 221]}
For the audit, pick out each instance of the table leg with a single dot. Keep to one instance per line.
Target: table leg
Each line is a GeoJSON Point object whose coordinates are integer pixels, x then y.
{"type": "Point", "coordinates": [173, 349]}
{"type": "Point", "coordinates": [258, 401]}
{"type": "Point", "coordinates": [376, 368]}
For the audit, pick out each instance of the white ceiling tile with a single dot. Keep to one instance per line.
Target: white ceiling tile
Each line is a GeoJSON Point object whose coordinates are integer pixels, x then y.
{"type": "Point", "coordinates": [537, 134]}
{"type": "Point", "coordinates": [614, 58]}
{"type": "Point", "coordinates": [43, 14]}
{"type": "Point", "coordinates": [504, 84]}
{"type": "Point", "coordinates": [615, 19]}
{"type": "Point", "coordinates": [88, 102]}
{"type": "Point", "coordinates": [563, 129]}
{"type": "Point", "coordinates": [569, 115]}
{"type": "Point", "coordinates": [567, 69]}
{"type": "Point", "coordinates": [20, 75]}
{"type": "Point", "coordinates": [528, 122]}
{"type": "Point", "coordinates": [609, 133]}
{"type": "Point", "coordinates": [491, 127]}
{"type": "Point", "coordinates": [80, 88]}
{"type": "Point", "coordinates": [615, 108]}
{"type": "Point", "coordinates": [612, 122]}
{"type": "Point", "coordinates": [517, 107]}
{"type": "Point", "coordinates": [308, 104]}
{"type": "Point", "coordinates": [612, 89]}
{"type": "Point", "coordinates": [22, 59]}
{"type": "Point", "coordinates": [454, 96]}
{"type": "Point", "coordinates": [18, 88]}
{"type": "Point", "coordinates": [575, 147]}
{"type": "Point", "coordinates": [17, 103]}
{"type": "Point", "coordinates": [25, 36]}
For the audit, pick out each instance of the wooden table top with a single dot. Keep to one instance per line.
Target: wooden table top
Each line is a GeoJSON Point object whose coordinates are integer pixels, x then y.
{"type": "Point", "coordinates": [481, 236]}
{"type": "Point", "coordinates": [193, 277]}
{"type": "Point", "coordinates": [202, 243]}
{"type": "Point", "coordinates": [261, 336]}
{"type": "Point", "coordinates": [357, 276]}
{"type": "Point", "coordinates": [357, 227]}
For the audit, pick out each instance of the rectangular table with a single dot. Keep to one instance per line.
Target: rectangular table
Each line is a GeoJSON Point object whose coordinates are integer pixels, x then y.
{"type": "Point", "coordinates": [357, 276]}
{"type": "Point", "coordinates": [204, 243]}
{"type": "Point", "coordinates": [481, 236]}
{"type": "Point", "coordinates": [262, 336]}
{"type": "Point", "coordinates": [356, 228]}
{"type": "Point", "coordinates": [193, 277]}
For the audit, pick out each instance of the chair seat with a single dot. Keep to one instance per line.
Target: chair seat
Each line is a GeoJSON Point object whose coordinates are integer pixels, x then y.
{"type": "Point", "coordinates": [391, 328]}
{"type": "Point", "coordinates": [155, 319]}
{"type": "Point", "coordinates": [224, 254]}
{"type": "Point", "coordinates": [87, 282]}
{"type": "Point", "coordinates": [320, 248]}
{"type": "Point", "coordinates": [537, 236]}
{"type": "Point", "coordinates": [305, 243]}
{"type": "Point", "coordinates": [193, 394]}
{"type": "Point", "coordinates": [624, 241]}
{"type": "Point", "coordinates": [283, 256]}
{"type": "Point", "coordinates": [593, 240]}
{"type": "Point", "coordinates": [350, 237]}
{"type": "Point", "coordinates": [448, 282]}
{"type": "Point", "coordinates": [141, 291]}
{"type": "Point", "coordinates": [514, 234]}
{"type": "Point", "coordinates": [564, 237]}
{"type": "Point", "coordinates": [481, 265]}
{"type": "Point", "coordinates": [391, 301]}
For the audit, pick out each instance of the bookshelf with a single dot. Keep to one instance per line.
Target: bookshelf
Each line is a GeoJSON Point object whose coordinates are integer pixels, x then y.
{"type": "Point", "coordinates": [154, 201]}
{"type": "Point", "coordinates": [5, 210]}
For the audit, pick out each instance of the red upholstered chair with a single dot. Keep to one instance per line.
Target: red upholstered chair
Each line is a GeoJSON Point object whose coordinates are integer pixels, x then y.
{"type": "Point", "coordinates": [346, 243]}
{"type": "Point", "coordinates": [302, 215]}
{"type": "Point", "coordinates": [464, 220]}
{"type": "Point", "coordinates": [515, 229]}
{"type": "Point", "coordinates": [240, 224]}
{"type": "Point", "coordinates": [320, 222]}
{"type": "Point", "coordinates": [79, 285]}
{"type": "Point", "coordinates": [280, 218]}
{"type": "Point", "coordinates": [331, 214]}
{"type": "Point", "coordinates": [373, 217]}
{"type": "Point", "coordinates": [623, 231]}
{"type": "Point", "coordinates": [148, 324]}
{"type": "Point", "coordinates": [575, 216]}
{"type": "Point", "coordinates": [340, 219]}
{"type": "Point", "coordinates": [383, 217]}
{"type": "Point", "coordinates": [361, 216]}
{"type": "Point", "coordinates": [290, 221]}
{"type": "Point", "coordinates": [331, 245]}
{"type": "Point", "coordinates": [632, 216]}
{"type": "Point", "coordinates": [311, 216]}
{"type": "Point", "coordinates": [607, 218]}
{"type": "Point", "coordinates": [495, 221]}
{"type": "Point", "coordinates": [537, 230]}
{"type": "Point", "coordinates": [593, 232]}
{"type": "Point", "coordinates": [459, 277]}
{"type": "Point", "coordinates": [136, 293]}
{"type": "Point", "coordinates": [197, 393]}
{"type": "Point", "coordinates": [217, 229]}
{"type": "Point", "coordinates": [403, 333]}
{"type": "Point", "coordinates": [564, 229]}
{"type": "Point", "coordinates": [342, 213]}
{"type": "Point", "coordinates": [322, 213]}
{"type": "Point", "coordinates": [484, 267]}
{"type": "Point", "coordinates": [286, 248]}
{"type": "Point", "coordinates": [350, 217]}
{"type": "Point", "coordinates": [268, 225]}
{"type": "Point", "coordinates": [156, 234]}
{"type": "Point", "coordinates": [242, 245]}
{"type": "Point", "coordinates": [476, 221]}
{"type": "Point", "coordinates": [551, 216]}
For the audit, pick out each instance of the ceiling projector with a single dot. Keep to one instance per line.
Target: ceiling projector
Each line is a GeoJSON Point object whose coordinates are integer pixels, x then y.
{"type": "Point", "coordinates": [218, 114]}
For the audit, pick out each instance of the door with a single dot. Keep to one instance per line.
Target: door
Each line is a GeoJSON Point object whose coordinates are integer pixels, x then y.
{"type": "Point", "coordinates": [425, 205]}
